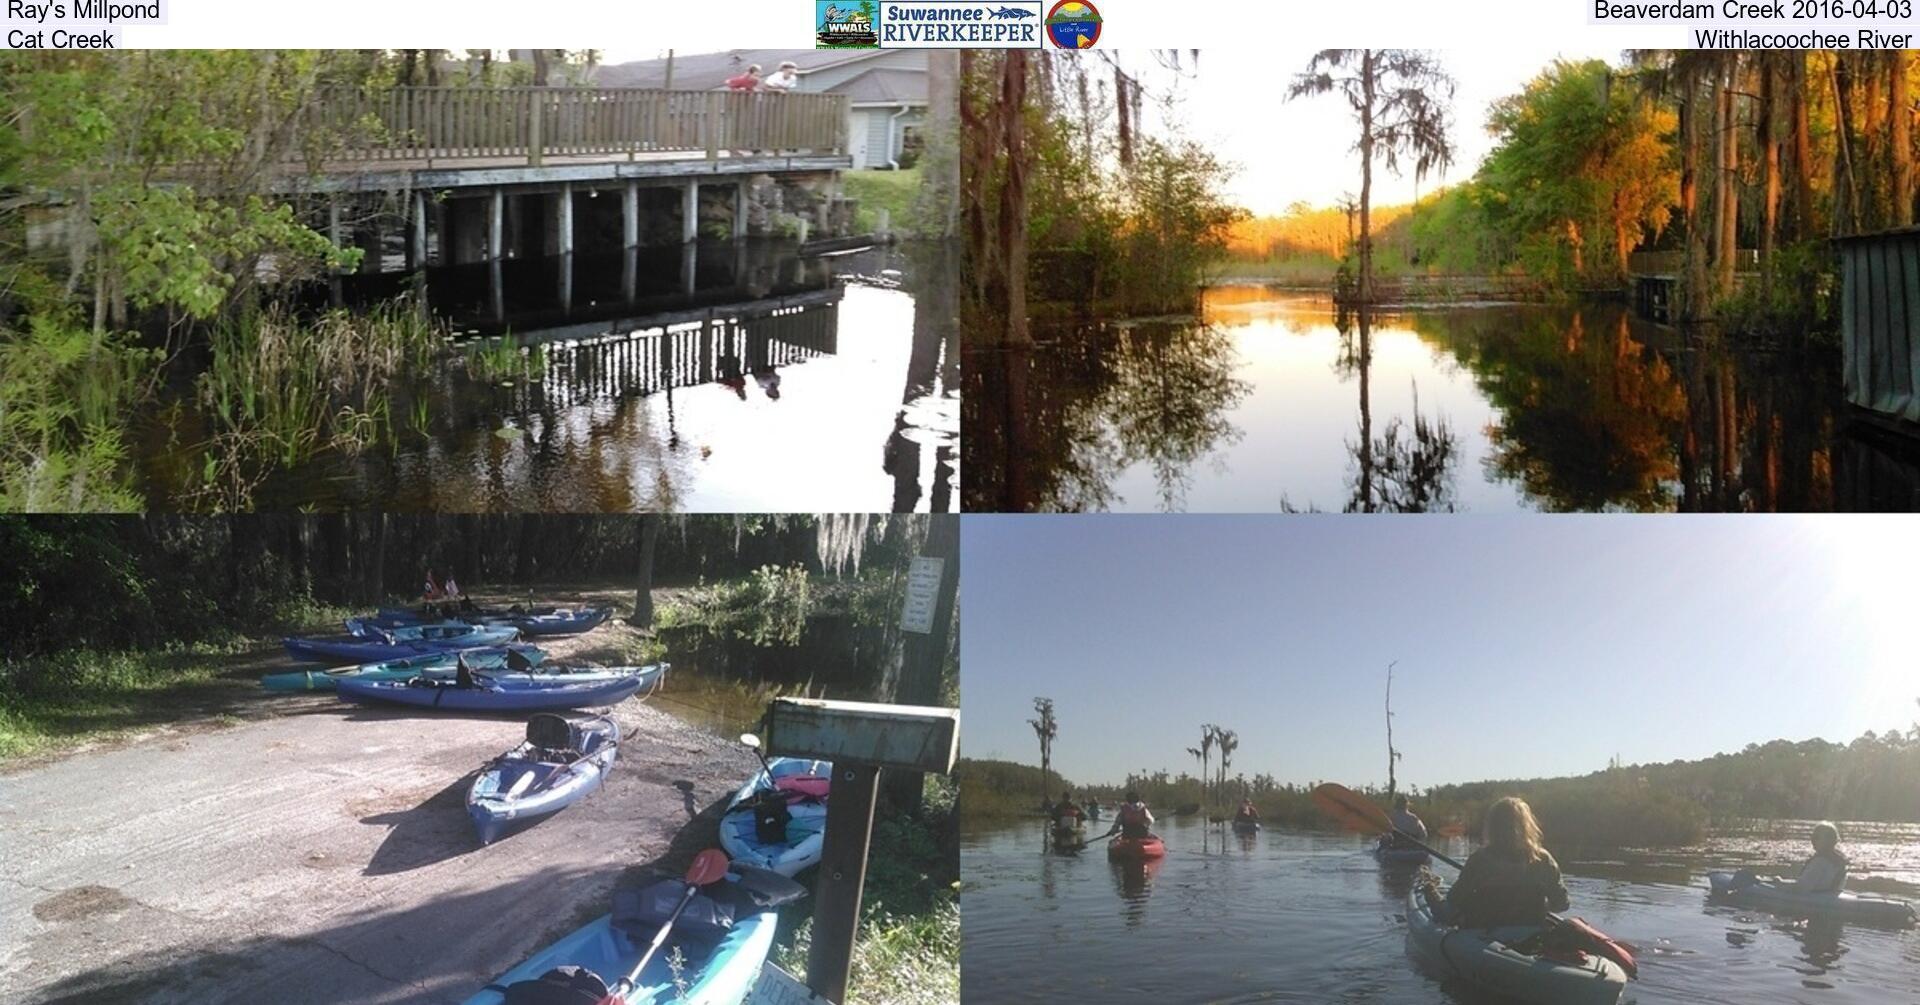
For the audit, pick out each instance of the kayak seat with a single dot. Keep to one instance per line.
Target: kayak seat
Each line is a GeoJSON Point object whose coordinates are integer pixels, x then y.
{"type": "Point", "coordinates": [548, 731]}
{"type": "Point", "coordinates": [559, 986]}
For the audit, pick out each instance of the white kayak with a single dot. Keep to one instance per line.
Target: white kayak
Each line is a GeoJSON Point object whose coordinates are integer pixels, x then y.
{"type": "Point", "coordinates": [1787, 901]}
{"type": "Point", "coordinates": [1484, 957]}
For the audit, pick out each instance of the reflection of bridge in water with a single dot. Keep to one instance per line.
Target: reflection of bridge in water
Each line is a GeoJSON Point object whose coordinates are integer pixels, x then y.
{"type": "Point", "coordinates": [736, 346]}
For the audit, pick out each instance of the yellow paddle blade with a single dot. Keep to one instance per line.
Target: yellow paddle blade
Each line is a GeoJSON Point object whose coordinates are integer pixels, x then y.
{"type": "Point", "coordinates": [1352, 810]}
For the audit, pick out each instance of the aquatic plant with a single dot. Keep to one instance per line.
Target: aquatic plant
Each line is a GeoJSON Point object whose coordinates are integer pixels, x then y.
{"type": "Point", "coordinates": [280, 387]}
{"type": "Point", "coordinates": [503, 358]}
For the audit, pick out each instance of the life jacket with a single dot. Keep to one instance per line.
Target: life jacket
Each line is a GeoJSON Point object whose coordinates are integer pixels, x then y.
{"type": "Point", "coordinates": [1133, 814]}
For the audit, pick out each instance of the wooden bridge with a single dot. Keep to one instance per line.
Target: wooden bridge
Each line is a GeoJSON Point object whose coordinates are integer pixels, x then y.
{"type": "Point", "coordinates": [1653, 279]}
{"type": "Point", "coordinates": [494, 172]}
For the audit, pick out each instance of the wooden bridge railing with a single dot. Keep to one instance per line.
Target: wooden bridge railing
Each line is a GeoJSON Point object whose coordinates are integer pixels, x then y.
{"type": "Point", "coordinates": [533, 123]}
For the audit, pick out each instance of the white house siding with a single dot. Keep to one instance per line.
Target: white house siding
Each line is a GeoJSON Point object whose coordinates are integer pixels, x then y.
{"type": "Point", "coordinates": [872, 122]}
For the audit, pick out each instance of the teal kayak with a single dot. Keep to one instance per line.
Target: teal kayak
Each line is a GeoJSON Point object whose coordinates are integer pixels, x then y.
{"type": "Point", "coordinates": [1784, 900]}
{"type": "Point", "coordinates": [433, 665]}
{"type": "Point", "coordinates": [718, 973]}
{"type": "Point", "coordinates": [1486, 958]}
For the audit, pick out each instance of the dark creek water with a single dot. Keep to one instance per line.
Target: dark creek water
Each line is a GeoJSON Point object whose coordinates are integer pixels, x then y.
{"type": "Point", "coordinates": [1273, 402]}
{"type": "Point", "coordinates": [1291, 917]}
{"type": "Point", "coordinates": [719, 377]}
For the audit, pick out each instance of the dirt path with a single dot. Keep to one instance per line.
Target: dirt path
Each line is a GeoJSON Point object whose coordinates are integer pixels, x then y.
{"type": "Point", "coordinates": [321, 855]}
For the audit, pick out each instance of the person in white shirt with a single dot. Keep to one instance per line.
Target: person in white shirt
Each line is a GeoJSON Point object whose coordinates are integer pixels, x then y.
{"type": "Point", "coordinates": [1826, 871]}
{"type": "Point", "coordinates": [783, 80]}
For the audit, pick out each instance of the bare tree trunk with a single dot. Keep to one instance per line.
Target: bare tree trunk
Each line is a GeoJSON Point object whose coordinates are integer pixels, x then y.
{"type": "Point", "coordinates": [542, 67]}
{"type": "Point", "coordinates": [1124, 105]}
{"type": "Point", "coordinates": [1900, 139]}
{"type": "Point", "coordinates": [1727, 180]}
{"type": "Point", "coordinates": [1694, 272]}
{"type": "Point", "coordinates": [433, 67]}
{"type": "Point", "coordinates": [643, 592]}
{"type": "Point", "coordinates": [943, 128]}
{"type": "Point", "coordinates": [1366, 177]}
{"type": "Point", "coordinates": [1013, 194]}
{"type": "Point", "coordinates": [1846, 194]}
{"type": "Point", "coordinates": [1769, 132]}
{"type": "Point", "coordinates": [1802, 149]}
{"type": "Point", "coordinates": [409, 66]}
{"type": "Point", "coordinates": [667, 83]}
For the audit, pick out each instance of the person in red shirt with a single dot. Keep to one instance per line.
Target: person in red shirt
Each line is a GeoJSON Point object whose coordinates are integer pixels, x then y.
{"type": "Point", "coordinates": [748, 81]}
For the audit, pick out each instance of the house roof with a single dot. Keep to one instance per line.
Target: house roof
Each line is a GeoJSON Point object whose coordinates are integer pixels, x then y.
{"type": "Point", "coordinates": [889, 87]}
{"type": "Point", "coordinates": [706, 71]}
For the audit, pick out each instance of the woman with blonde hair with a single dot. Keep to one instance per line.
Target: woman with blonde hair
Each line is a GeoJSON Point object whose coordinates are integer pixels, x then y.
{"type": "Point", "coordinates": [1511, 880]}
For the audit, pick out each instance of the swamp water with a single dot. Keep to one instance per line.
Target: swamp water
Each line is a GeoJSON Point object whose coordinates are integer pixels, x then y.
{"type": "Point", "coordinates": [1285, 916]}
{"type": "Point", "coordinates": [1274, 401]}
{"type": "Point", "coordinates": [722, 377]}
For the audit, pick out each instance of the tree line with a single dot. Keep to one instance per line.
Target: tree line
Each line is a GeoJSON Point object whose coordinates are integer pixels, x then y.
{"type": "Point", "coordinates": [120, 582]}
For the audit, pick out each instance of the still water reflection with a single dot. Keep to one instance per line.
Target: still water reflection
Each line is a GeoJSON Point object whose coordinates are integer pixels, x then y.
{"type": "Point", "coordinates": [729, 376]}
{"type": "Point", "coordinates": [1275, 401]}
{"type": "Point", "coordinates": [1293, 917]}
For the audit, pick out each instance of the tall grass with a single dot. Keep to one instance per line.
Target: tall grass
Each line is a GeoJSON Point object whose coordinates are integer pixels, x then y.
{"type": "Point", "coordinates": [280, 388]}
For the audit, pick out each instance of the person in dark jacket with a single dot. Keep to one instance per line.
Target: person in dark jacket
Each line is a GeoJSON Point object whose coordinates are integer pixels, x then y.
{"type": "Point", "coordinates": [1511, 880]}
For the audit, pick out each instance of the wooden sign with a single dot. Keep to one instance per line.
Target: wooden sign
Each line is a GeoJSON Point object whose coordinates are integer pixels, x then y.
{"type": "Point", "coordinates": [923, 594]}
{"type": "Point", "coordinates": [913, 737]}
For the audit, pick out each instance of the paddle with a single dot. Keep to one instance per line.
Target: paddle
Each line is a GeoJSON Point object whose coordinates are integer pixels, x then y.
{"type": "Point", "coordinates": [707, 867]}
{"type": "Point", "coordinates": [1357, 812]}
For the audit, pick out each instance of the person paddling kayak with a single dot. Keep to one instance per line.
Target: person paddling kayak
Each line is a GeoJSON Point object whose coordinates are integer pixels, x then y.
{"type": "Point", "coordinates": [1247, 813]}
{"type": "Point", "coordinates": [1825, 872]}
{"type": "Point", "coordinates": [1405, 822]}
{"type": "Point", "coordinates": [1511, 880]}
{"type": "Point", "coordinates": [1134, 819]}
{"type": "Point", "coordinates": [1066, 813]}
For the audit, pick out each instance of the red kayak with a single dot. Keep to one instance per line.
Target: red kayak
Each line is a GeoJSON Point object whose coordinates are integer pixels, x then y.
{"type": "Point", "coordinates": [1136, 849]}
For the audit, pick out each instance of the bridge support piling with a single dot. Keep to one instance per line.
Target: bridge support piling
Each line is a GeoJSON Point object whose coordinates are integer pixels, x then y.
{"type": "Point", "coordinates": [689, 262]}
{"type": "Point", "coordinates": [417, 250]}
{"type": "Point", "coordinates": [565, 209]}
{"type": "Point", "coordinates": [630, 217]}
{"type": "Point", "coordinates": [496, 225]}
{"type": "Point", "coordinates": [566, 281]}
{"type": "Point", "coordinates": [630, 274]}
{"type": "Point", "coordinates": [690, 212]}
{"type": "Point", "coordinates": [740, 211]}
{"type": "Point", "coordinates": [334, 235]}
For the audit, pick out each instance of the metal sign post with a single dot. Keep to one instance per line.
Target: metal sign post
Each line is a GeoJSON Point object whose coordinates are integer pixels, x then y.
{"type": "Point", "coordinates": [860, 738]}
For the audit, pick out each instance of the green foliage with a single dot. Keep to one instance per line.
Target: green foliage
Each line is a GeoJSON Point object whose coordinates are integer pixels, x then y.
{"type": "Point", "coordinates": [1795, 301]}
{"type": "Point", "coordinates": [990, 788]}
{"type": "Point", "coordinates": [768, 608]}
{"type": "Point", "coordinates": [897, 192]}
{"type": "Point", "coordinates": [63, 394]}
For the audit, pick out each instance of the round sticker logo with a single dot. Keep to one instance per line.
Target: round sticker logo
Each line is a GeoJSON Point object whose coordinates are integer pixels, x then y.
{"type": "Point", "coordinates": [1073, 24]}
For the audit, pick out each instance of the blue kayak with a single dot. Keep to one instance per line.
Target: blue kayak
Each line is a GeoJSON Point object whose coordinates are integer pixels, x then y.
{"type": "Point", "coordinates": [561, 761]}
{"type": "Point", "coordinates": [719, 973]}
{"type": "Point", "coordinates": [802, 785]}
{"type": "Point", "coordinates": [435, 664]}
{"type": "Point", "coordinates": [499, 692]}
{"type": "Point", "coordinates": [536, 621]}
{"type": "Point", "coordinates": [397, 643]}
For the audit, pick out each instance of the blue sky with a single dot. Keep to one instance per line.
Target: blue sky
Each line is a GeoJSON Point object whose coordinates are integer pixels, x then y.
{"type": "Point", "coordinates": [1527, 645]}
